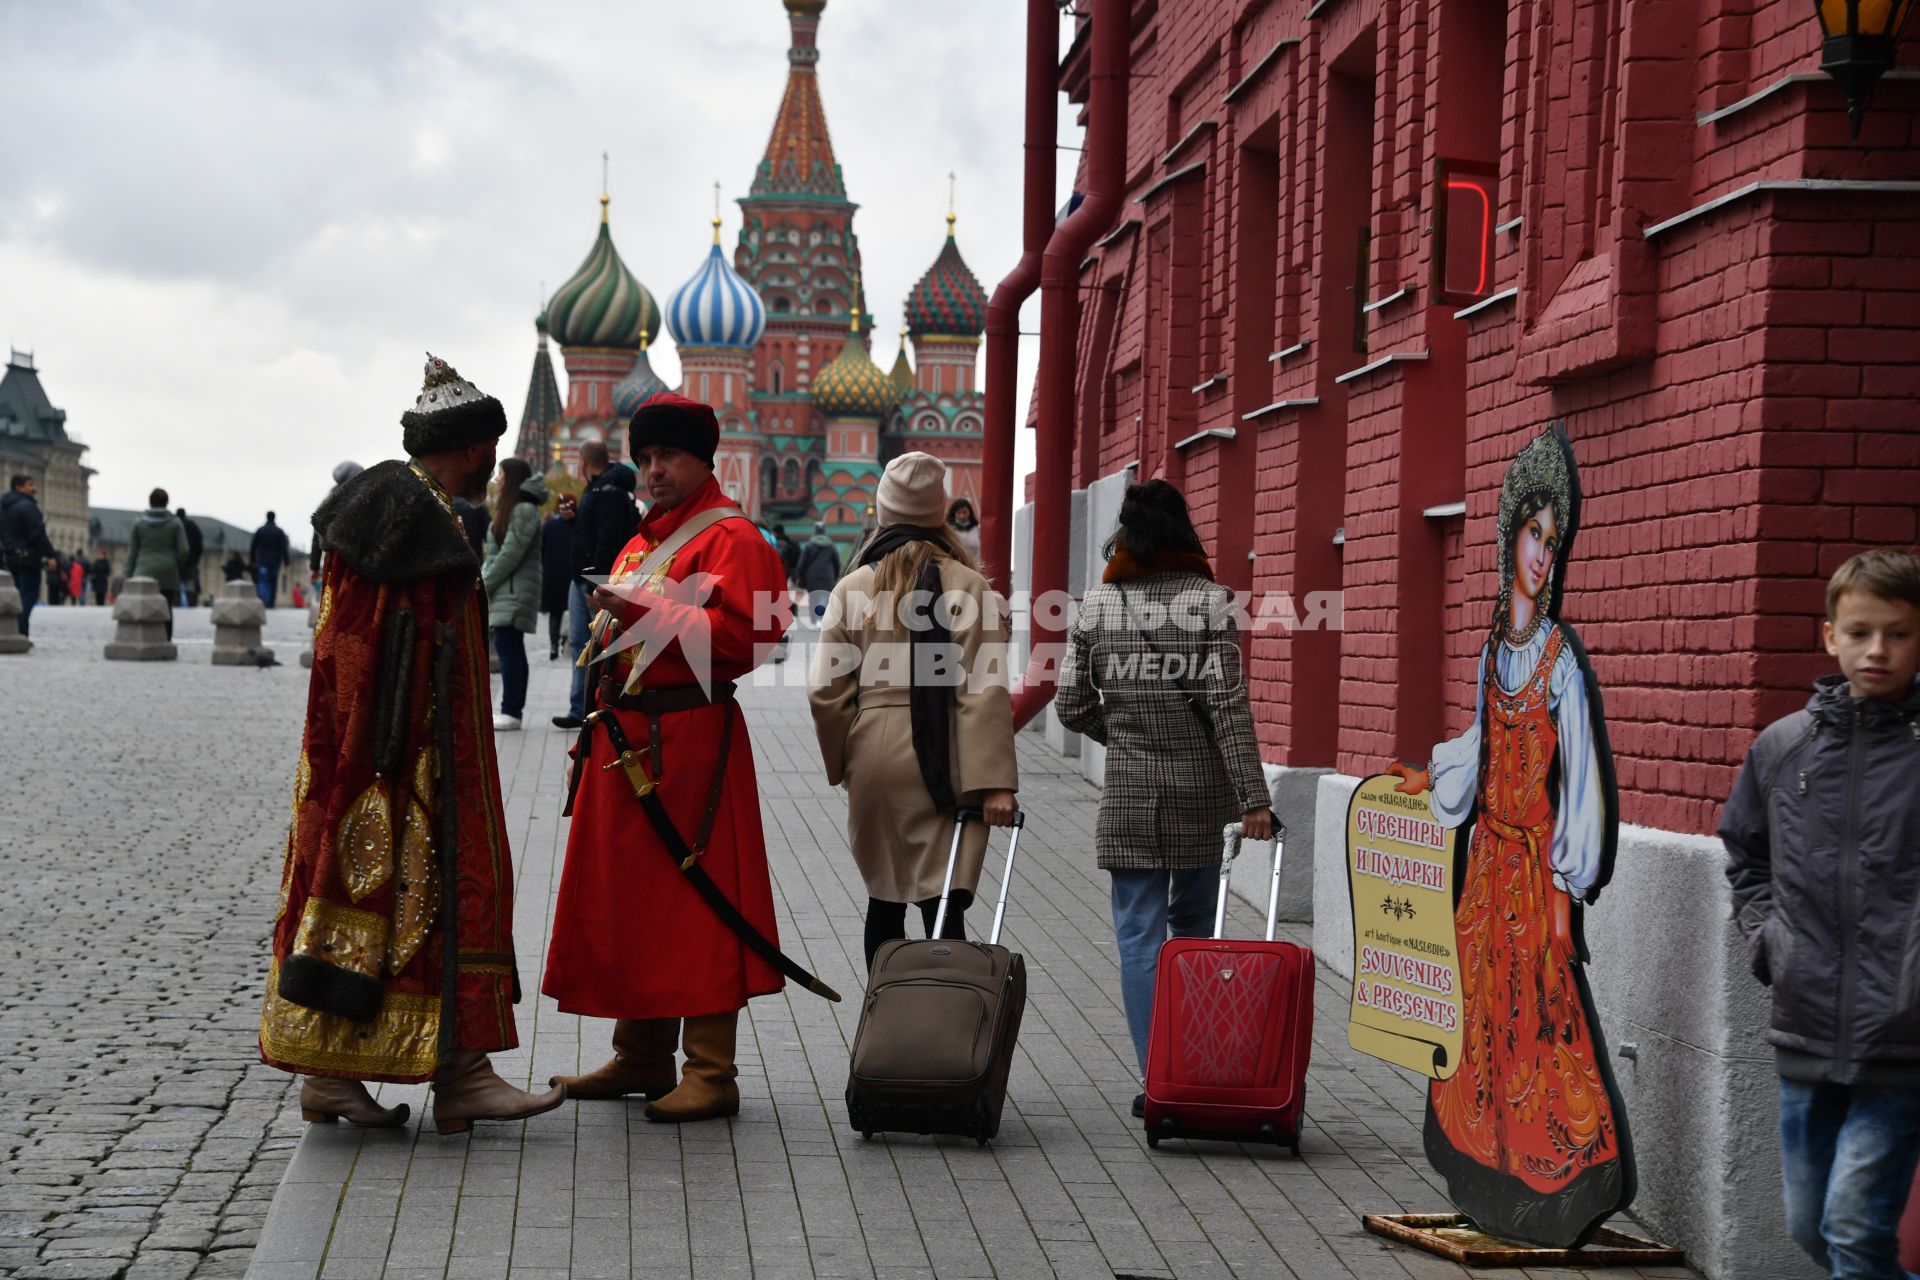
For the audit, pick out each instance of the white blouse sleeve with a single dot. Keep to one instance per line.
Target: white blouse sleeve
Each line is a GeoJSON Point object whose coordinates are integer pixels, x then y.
{"type": "Point", "coordinates": [1578, 830]}
{"type": "Point", "coordinates": [1454, 770]}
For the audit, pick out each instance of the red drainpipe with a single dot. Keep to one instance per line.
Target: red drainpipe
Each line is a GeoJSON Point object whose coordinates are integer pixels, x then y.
{"type": "Point", "coordinates": [1106, 143]}
{"type": "Point", "coordinates": [1003, 309]}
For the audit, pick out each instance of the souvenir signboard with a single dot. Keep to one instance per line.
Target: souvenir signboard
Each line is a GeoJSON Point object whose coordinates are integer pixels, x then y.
{"type": "Point", "coordinates": [1406, 970]}
{"type": "Point", "coordinates": [1525, 1121]}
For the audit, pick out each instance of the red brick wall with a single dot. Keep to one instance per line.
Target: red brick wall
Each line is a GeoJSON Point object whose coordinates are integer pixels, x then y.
{"type": "Point", "coordinates": [1740, 388]}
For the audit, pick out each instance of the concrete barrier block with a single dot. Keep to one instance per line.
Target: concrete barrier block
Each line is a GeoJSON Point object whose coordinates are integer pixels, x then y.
{"type": "Point", "coordinates": [238, 616]}
{"type": "Point", "coordinates": [11, 641]}
{"type": "Point", "coordinates": [140, 617]}
{"type": "Point", "coordinates": [1332, 907]}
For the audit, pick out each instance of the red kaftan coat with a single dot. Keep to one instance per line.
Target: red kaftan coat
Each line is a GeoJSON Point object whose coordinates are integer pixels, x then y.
{"type": "Point", "coordinates": [363, 922]}
{"type": "Point", "coordinates": [631, 939]}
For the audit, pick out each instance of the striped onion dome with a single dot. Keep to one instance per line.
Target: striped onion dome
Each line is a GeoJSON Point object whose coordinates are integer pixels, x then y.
{"type": "Point", "coordinates": [948, 300]}
{"type": "Point", "coordinates": [640, 384]}
{"type": "Point", "coordinates": [852, 386]}
{"type": "Point", "coordinates": [716, 308]}
{"type": "Point", "coordinates": [603, 305]}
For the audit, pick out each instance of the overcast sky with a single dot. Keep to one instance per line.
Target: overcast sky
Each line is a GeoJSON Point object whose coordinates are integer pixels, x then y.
{"type": "Point", "coordinates": [229, 231]}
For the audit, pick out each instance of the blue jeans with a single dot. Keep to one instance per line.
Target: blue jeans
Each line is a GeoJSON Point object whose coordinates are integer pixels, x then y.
{"type": "Point", "coordinates": [511, 645]}
{"type": "Point", "coordinates": [266, 583]}
{"type": "Point", "coordinates": [579, 618]}
{"type": "Point", "coordinates": [1148, 907]}
{"type": "Point", "coordinates": [1847, 1156]}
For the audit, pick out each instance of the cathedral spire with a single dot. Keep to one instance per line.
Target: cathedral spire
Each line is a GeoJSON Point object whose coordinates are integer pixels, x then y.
{"type": "Point", "coordinates": [799, 157]}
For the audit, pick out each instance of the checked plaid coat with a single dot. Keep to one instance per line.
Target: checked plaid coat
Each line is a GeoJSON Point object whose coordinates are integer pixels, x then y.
{"type": "Point", "coordinates": [1170, 787]}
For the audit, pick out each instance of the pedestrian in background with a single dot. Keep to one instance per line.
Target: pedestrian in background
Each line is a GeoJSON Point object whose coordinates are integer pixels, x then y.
{"type": "Point", "coordinates": [602, 526]}
{"type": "Point", "coordinates": [157, 549]}
{"type": "Point", "coordinates": [190, 575]}
{"type": "Point", "coordinates": [911, 745]}
{"type": "Point", "coordinates": [510, 571]}
{"type": "Point", "coordinates": [965, 526]}
{"type": "Point", "coordinates": [269, 554]}
{"type": "Point", "coordinates": [77, 577]}
{"type": "Point", "coordinates": [819, 569]}
{"type": "Point", "coordinates": [23, 539]}
{"type": "Point", "coordinates": [1820, 834]}
{"type": "Point", "coordinates": [100, 571]}
{"type": "Point", "coordinates": [556, 569]}
{"type": "Point", "coordinates": [56, 580]}
{"type": "Point", "coordinates": [1182, 759]}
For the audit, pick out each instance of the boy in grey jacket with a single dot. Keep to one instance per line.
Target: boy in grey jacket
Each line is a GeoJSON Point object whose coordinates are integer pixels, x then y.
{"type": "Point", "coordinates": [1823, 842]}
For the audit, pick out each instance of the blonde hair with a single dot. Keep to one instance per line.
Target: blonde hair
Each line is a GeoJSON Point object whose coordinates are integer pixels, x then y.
{"type": "Point", "coordinates": [898, 573]}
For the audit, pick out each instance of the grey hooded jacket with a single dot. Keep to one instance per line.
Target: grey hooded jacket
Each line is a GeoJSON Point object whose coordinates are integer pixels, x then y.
{"type": "Point", "coordinates": [1823, 842]}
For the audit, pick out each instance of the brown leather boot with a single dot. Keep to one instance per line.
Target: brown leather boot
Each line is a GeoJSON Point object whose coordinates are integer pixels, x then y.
{"type": "Point", "coordinates": [642, 1062]}
{"type": "Point", "coordinates": [324, 1100]}
{"type": "Point", "coordinates": [468, 1089]}
{"type": "Point", "coordinates": [706, 1088]}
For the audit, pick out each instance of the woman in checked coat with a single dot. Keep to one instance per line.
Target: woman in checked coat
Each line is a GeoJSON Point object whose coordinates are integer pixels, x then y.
{"type": "Point", "coordinates": [1153, 672]}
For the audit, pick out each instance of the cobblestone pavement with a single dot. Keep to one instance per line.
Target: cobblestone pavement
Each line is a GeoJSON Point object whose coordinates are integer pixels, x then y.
{"type": "Point", "coordinates": [139, 1134]}
{"type": "Point", "coordinates": [786, 1189]}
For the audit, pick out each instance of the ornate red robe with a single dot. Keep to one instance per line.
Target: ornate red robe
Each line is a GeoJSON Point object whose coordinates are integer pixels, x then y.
{"type": "Point", "coordinates": [631, 938]}
{"type": "Point", "coordinates": [379, 967]}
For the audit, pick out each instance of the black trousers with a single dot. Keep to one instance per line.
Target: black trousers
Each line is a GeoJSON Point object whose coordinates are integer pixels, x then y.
{"type": "Point", "coordinates": [888, 920]}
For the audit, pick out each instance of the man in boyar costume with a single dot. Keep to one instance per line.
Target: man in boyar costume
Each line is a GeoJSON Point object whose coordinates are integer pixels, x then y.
{"type": "Point", "coordinates": [393, 948]}
{"type": "Point", "coordinates": [665, 914]}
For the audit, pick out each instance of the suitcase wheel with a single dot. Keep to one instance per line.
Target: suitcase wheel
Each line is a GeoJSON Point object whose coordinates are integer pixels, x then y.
{"type": "Point", "coordinates": [1153, 1139]}
{"type": "Point", "coordinates": [866, 1135]}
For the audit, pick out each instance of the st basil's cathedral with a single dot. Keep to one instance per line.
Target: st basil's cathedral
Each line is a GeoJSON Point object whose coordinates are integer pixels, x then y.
{"type": "Point", "coordinates": [777, 341]}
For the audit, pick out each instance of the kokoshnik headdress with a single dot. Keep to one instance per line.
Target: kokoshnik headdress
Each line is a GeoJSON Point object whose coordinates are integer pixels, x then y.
{"type": "Point", "coordinates": [450, 413]}
{"type": "Point", "coordinates": [1546, 466]}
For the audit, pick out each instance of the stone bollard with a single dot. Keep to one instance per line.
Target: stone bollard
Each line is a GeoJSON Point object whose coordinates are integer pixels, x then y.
{"type": "Point", "coordinates": [238, 616]}
{"type": "Point", "coordinates": [140, 624]}
{"type": "Point", "coordinates": [313, 625]}
{"type": "Point", "coordinates": [11, 641]}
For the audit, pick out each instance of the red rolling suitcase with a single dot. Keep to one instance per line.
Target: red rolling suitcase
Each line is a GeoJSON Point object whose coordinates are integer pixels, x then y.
{"type": "Point", "coordinates": [1232, 1026]}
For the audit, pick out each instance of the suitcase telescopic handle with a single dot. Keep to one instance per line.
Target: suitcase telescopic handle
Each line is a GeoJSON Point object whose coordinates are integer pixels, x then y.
{"type": "Point", "coordinates": [960, 819]}
{"type": "Point", "coordinates": [1231, 836]}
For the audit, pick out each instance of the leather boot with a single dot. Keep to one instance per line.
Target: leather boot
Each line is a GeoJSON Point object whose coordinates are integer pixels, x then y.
{"type": "Point", "coordinates": [642, 1062]}
{"type": "Point", "coordinates": [706, 1088]}
{"type": "Point", "coordinates": [324, 1100]}
{"type": "Point", "coordinates": [468, 1089]}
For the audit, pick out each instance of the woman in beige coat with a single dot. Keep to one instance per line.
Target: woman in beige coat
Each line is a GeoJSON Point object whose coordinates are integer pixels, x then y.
{"type": "Point", "coordinates": [910, 701]}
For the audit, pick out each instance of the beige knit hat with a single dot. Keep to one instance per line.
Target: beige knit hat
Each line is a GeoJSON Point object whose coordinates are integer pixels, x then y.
{"type": "Point", "coordinates": [913, 491]}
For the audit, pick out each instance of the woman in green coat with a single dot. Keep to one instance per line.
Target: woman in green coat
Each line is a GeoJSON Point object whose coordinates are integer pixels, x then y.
{"type": "Point", "coordinates": [157, 549]}
{"type": "Point", "coordinates": [510, 572]}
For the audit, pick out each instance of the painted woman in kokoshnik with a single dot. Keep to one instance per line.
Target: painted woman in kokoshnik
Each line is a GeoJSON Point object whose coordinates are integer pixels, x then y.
{"type": "Point", "coordinates": [1530, 1133]}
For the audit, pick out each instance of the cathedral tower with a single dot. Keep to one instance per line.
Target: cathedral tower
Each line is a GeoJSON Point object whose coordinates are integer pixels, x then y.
{"type": "Point", "coordinates": [798, 251]}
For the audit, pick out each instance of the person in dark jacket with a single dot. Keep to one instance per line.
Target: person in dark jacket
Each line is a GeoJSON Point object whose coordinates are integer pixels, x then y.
{"type": "Point", "coordinates": [606, 521]}
{"type": "Point", "coordinates": [23, 537]}
{"type": "Point", "coordinates": [190, 572]}
{"type": "Point", "coordinates": [269, 553]}
{"type": "Point", "coordinates": [99, 571]}
{"type": "Point", "coordinates": [819, 569]}
{"type": "Point", "coordinates": [789, 552]}
{"type": "Point", "coordinates": [556, 569]}
{"type": "Point", "coordinates": [1823, 843]}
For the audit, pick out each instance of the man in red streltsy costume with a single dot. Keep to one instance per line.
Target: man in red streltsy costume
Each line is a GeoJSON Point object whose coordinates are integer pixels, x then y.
{"type": "Point", "coordinates": [632, 940]}
{"type": "Point", "coordinates": [393, 948]}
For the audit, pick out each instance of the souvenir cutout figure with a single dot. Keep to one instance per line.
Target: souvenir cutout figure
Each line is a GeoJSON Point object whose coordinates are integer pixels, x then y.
{"type": "Point", "coordinates": [1530, 1131]}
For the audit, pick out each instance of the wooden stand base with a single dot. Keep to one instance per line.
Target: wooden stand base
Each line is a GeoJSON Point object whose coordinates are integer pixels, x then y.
{"type": "Point", "coordinates": [1451, 1236]}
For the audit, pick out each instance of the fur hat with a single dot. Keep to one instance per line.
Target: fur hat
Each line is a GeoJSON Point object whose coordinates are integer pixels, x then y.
{"type": "Point", "coordinates": [913, 490]}
{"type": "Point", "coordinates": [669, 419]}
{"type": "Point", "coordinates": [450, 414]}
